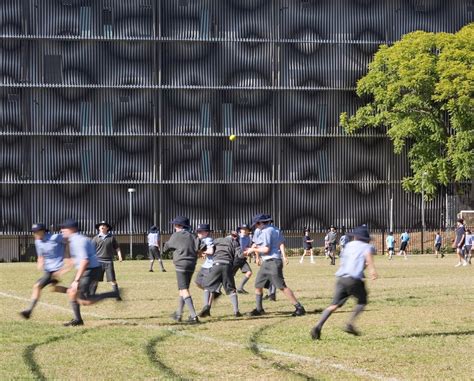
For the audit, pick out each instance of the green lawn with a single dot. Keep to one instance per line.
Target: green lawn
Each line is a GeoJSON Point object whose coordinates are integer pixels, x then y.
{"type": "Point", "coordinates": [418, 325]}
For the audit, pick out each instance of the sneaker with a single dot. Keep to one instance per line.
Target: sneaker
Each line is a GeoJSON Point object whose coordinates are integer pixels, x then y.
{"type": "Point", "coordinates": [74, 323]}
{"type": "Point", "coordinates": [316, 333]}
{"type": "Point", "coordinates": [299, 311]}
{"type": "Point", "coordinates": [272, 297]}
{"type": "Point", "coordinates": [349, 328]}
{"type": "Point", "coordinates": [193, 320]}
{"type": "Point", "coordinates": [464, 263]}
{"type": "Point", "coordinates": [238, 314]}
{"type": "Point", "coordinates": [118, 298]}
{"type": "Point", "coordinates": [205, 312]}
{"type": "Point", "coordinates": [242, 291]}
{"type": "Point", "coordinates": [459, 264]}
{"type": "Point", "coordinates": [163, 270]}
{"type": "Point", "coordinates": [26, 314]}
{"type": "Point", "coordinates": [150, 271]}
{"type": "Point", "coordinates": [176, 317]}
{"type": "Point", "coordinates": [256, 312]}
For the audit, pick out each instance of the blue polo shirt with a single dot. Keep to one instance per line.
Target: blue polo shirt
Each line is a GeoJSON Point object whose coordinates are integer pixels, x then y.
{"type": "Point", "coordinates": [390, 241]}
{"type": "Point", "coordinates": [270, 237]}
{"type": "Point", "coordinates": [81, 248]}
{"type": "Point", "coordinates": [245, 242]}
{"type": "Point", "coordinates": [153, 239]}
{"type": "Point", "coordinates": [405, 237]}
{"type": "Point", "coordinates": [353, 259]}
{"type": "Point", "coordinates": [51, 248]}
{"type": "Point", "coordinates": [437, 240]}
{"type": "Point", "coordinates": [344, 240]}
{"type": "Point", "coordinates": [209, 242]}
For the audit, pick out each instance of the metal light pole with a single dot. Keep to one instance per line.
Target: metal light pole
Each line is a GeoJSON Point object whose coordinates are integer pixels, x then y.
{"type": "Point", "coordinates": [130, 192]}
{"type": "Point", "coordinates": [423, 227]}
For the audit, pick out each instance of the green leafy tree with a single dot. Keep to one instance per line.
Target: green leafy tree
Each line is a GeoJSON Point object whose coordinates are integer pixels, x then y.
{"type": "Point", "coordinates": [421, 89]}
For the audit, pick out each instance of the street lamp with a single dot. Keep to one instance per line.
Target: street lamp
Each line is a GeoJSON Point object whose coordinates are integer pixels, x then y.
{"type": "Point", "coordinates": [130, 192]}
{"type": "Point", "coordinates": [423, 227]}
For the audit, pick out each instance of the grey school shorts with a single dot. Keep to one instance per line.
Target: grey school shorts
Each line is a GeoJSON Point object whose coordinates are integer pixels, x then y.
{"type": "Point", "coordinates": [88, 282]}
{"type": "Point", "coordinates": [220, 274]}
{"type": "Point", "coordinates": [346, 287]}
{"type": "Point", "coordinates": [271, 272]}
{"type": "Point", "coordinates": [241, 264]}
{"type": "Point", "coordinates": [153, 253]}
{"type": "Point", "coordinates": [46, 279]}
{"type": "Point", "coordinates": [201, 277]}
{"type": "Point", "coordinates": [109, 270]}
{"type": "Point", "coordinates": [184, 279]}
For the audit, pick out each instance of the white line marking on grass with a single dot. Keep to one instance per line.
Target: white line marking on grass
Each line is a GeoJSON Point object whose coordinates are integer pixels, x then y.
{"type": "Point", "coordinates": [261, 348]}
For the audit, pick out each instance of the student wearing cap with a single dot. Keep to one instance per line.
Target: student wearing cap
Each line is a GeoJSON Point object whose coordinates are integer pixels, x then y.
{"type": "Point", "coordinates": [390, 241]}
{"type": "Point", "coordinates": [307, 246]}
{"type": "Point", "coordinates": [350, 279]}
{"type": "Point", "coordinates": [404, 238]}
{"type": "Point", "coordinates": [88, 271]}
{"type": "Point", "coordinates": [154, 248]}
{"type": "Point", "coordinates": [106, 247]}
{"type": "Point", "coordinates": [332, 237]}
{"type": "Point", "coordinates": [185, 247]}
{"type": "Point", "coordinates": [269, 256]}
{"type": "Point", "coordinates": [460, 237]}
{"type": "Point", "coordinates": [203, 231]}
{"type": "Point", "coordinates": [240, 261]}
{"type": "Point", "coordinates": [221, 274]}
{"type": "Point", "coordinates": [50, 252]}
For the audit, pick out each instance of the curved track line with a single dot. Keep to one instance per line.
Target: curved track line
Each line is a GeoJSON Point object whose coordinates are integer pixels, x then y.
{"type": "Point", "coordinates": [262, 348]}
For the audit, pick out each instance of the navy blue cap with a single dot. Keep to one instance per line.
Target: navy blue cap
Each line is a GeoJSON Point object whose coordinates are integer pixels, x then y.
{"type": "Point", "coordinates": [180, 220]}
{"type": "Point", "coordinates": [203, 228]}
{"type": "Point", "coordinates": [261, 218]}
{"type": "Point", "coordinates": [97, 225]}
{"type": "Point", "coordinates": [37, 227]}
{"type": "Point", "coordinates": [153, 229]}
{"type": "Point", "coordinates": [70, 224]}
{"type": "Point", "coordinates": [243, 226]}
{"type": "Point", "coordinates": [361, 233]}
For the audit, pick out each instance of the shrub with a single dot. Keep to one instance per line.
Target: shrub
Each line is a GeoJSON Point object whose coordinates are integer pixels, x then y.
{"type": "Point", "coordinates": [32, 259]}
{"type": "Point", "coordinates": [140, 257]}
{"type": "Point", "coordinates": [300, 251]}
{"type": "Point", "coordinates": [14, 259]}
{"type": "Point", "coordinates": [416, 251]}
{"type": "Point", "coordinates": [429, 250]}
{"type": "Point", "coordinates": [317, 251]}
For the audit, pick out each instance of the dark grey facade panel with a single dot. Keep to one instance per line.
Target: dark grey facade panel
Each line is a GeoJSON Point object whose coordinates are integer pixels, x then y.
{"type": "Point", "coordinates": [100, 96]}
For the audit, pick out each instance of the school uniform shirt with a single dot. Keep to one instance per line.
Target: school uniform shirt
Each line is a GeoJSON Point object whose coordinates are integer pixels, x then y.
{"type": "Point", "coordinates": [343, 241]}
{"type": "Point", "coordinates": [332, 238]}
{"type": "Point", "coordinates": [51, 248]}
{"type": "Point", "coordinates": [81, 248]}
{"type": "Point", "coordinates": [307, 245]}
{"type": "Point", "coordinates": [405, 237]}
{"type": "Point", "coordinates": [437, 240]}
{"type": "Point", "coordinates": [245, 242]}
{"type": "Point", "coordinates": [270, 237]}
{"type": "Point", "coordinates": [225, 250]}
{"type": "Point", "coordinates": [353, 259]}
{"type": "Point", "coordinates": [390, 241]}
{"type": "Point", "coordinates": [153, 239]}
{"type": "Point", "coordinates": [185, 247]}
{"type": "Point", "coordinates": [460, 231]}
{"type": "Point", "coordinates": [209, 242]}
{"type": "Point", "coordinates": [105, 246]}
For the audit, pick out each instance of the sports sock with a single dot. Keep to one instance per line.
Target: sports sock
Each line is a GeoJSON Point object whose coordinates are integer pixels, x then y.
{"type": "Point", "coordinates": [189, 303]}
{"type": "Point", "coordinates": [324, 317]}
{"type": "Point", "coordinates": [258, 300]}
{"type": "Point", "coordinates": [179, 311]}
{"type": "Point", "coordinates": [207, 295]}
{"type": "Point", "coordinates": [32, 304]}
{"type": "Point", "coordinates": [357, 310]}
{"type": "Point", "coordinates": [151, 264]}
{"type": "Point", "coordinates": [272, 290]}
{"type": "Point", "coordinates": [161, 264]}
{"type": "Point", "coordinates": [242, 284]}
{"type": "Point", "coordinates": [235, 302]}
{"type": "Point", "coordinates": [76, 309]}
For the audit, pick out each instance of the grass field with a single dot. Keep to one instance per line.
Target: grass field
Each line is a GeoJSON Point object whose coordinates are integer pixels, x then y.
{"type": "Point", "coordinates": [418, 325]}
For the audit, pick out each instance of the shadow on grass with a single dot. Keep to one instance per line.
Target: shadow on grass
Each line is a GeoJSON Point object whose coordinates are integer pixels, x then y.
{"type": "Point", "coordinates": [431, 334]}
{"type": "Point", "coordinates": [155, 360]}
{"type": "Point", "coordinates": [29, 353]}
{"type": "Point", "coordinates": [254, 348]}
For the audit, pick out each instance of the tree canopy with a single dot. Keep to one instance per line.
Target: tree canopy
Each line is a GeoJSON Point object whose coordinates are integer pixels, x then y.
{"type": "Point", "coordinates": [421, 89]}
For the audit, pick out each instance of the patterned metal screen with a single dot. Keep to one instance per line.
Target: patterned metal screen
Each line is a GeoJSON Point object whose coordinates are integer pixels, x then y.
{"type": "Point", "coordinates": [97, 96]}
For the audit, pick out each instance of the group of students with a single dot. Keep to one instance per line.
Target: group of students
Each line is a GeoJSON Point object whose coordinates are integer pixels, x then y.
{"type": "Point", "coordinates": [223, 258]}
{"type": "Point", "coordinates": [462, 242]}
